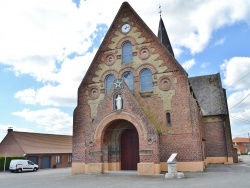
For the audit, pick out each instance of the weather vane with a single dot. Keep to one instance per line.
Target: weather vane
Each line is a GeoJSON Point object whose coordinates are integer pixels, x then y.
{"type": "Point", "coordinates": [160, 10]}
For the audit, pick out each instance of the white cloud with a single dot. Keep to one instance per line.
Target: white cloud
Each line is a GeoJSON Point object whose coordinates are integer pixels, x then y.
{"type": "Point", "coordinates": [64, 93]}
{"type": "Point", "coordinates": [204, 65]}
{"type": "Point", "coordinates": [46, 31]}
{"type": "Point", "coordinates": [236, 72]}
{"type": "Point", "coordinates": [240, 122]}
{"type": "Point", "coordinates": [35, 34]}
{"type": "Point", "coordinates": [188, 64]}
{"type": "Point", "coordinates": [239, 101]}
{"type": "Point", "coordinates": [219, 42]}
{"type": "Point", "coordinates": [50, 119]}
{"type": "Point", "coordinates": [26, 96]}
{"type": "Point", "coordinates": [191, 23]}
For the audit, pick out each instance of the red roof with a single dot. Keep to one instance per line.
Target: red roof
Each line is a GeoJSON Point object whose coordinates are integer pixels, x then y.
{"type": "Point", "coordinates": [238, 139]}
{"type": "Point", "coordinates": [35, 143]}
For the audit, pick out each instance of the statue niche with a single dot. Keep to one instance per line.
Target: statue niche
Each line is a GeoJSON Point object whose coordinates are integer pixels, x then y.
{"type": "Point", "coordinates": [118, 101]}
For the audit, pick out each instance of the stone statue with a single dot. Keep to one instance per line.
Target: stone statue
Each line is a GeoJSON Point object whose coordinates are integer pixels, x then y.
{"type": "Point", "coordinates": [118, 102]}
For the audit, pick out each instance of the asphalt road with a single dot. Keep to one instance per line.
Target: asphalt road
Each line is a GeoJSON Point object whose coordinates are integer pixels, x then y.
{"type": "Point", "coordinates": [216, 175]}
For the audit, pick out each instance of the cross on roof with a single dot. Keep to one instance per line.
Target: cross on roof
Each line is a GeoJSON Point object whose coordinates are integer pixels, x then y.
{"type": "Point", "coordinates": [160, 10]}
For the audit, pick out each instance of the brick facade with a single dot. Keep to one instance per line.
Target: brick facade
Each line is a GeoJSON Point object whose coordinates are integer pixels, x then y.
{"type": "Point", "coordinates": [98, 125]}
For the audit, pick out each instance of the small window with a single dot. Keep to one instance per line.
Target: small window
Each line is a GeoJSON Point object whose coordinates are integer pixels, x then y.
{"type": "Point", "coordinates": [70, 159]}
{"type": "Point", "coordinates": [146, 80]}
{"type": "Point", "coordinates": [129, 80]}
{"type": "Point", "coordinates": [127, 54]}
{"type": "Point", "coordinates": [109, 81]}
{"type": "Point", "coordinates": [168, 119]}
{"type": "Point", "coordinates": [58, 159]}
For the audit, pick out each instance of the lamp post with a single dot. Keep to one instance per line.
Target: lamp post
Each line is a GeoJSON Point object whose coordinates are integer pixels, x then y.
{"type": "Point", "coordinates": [5, 160]}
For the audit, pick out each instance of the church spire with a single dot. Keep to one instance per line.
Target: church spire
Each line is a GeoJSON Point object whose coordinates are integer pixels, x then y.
{"type": "Point", "coordinates": [163, 36]}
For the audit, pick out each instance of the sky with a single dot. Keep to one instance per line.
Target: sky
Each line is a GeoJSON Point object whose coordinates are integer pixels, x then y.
{"type": "Point", "coordinates": [47, 46]}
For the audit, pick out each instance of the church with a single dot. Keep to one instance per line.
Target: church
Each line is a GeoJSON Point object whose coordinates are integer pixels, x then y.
{"type": "Point", "coordinates": [136, 106]}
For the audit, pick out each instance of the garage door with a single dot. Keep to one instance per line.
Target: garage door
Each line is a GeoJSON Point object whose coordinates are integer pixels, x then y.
{"type": "Point", "coordinates": [45, 162]}
{"type": "Point", "coordinates": [34, 159]}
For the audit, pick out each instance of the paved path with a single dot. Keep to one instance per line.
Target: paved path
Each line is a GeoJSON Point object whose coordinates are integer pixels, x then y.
{"type": "Point", "coordinates": [216, 175]}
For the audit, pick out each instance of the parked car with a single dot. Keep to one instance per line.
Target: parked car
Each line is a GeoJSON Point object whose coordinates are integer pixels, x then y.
{"type": "Point", "coordinates": [248, 153]}
{"type": "Point", "coordinates": [238, 152]}
{"type": "Point", "coordinates": [20, 165]}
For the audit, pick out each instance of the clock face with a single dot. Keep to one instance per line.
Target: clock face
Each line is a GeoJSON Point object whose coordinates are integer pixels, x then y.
{"type": "Point", "coordinates": [125, 28]}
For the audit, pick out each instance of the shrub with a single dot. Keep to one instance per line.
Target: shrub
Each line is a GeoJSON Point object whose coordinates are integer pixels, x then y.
{"type": "Point", "coordinates": [7, 164]}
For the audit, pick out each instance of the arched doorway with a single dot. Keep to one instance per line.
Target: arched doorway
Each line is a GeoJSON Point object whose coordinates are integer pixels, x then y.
{"type": "Point", "coordinates": [121, 146]}
{"type": "Point", "coordinates": [129, 149]}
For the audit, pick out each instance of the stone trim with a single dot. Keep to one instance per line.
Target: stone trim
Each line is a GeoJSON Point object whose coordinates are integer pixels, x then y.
{"type": "Point", "coordinates": [124, 39]}
{"type": "Point", "coordinates": [144, 52]}
{"type": "Point", "coordinates": [145, 152]}
{"type": "Point", "coordinates": [106, 73]}
{"type": "Point", "coordinates": [164, 83]}
{"type": "Point", "coordinates": [146, 66]}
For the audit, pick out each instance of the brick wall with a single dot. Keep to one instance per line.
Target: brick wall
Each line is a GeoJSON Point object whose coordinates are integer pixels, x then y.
{"type": "Point", "coordinates": [10, 146]}
{"type": "Point", "coordinates": [215, 136]}
{"type": "Point", "coordinates": [64, 159]}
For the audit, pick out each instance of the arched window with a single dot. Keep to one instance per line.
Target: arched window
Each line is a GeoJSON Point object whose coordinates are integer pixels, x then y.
{"type": "Point", "coordinates": [146, 80]}
{"type": "Point", "coordinates": [109, 81]}
{"type": "Point", "coordinates": [129, 80]}
{"type": "Point", "coordinates": [127, 54]}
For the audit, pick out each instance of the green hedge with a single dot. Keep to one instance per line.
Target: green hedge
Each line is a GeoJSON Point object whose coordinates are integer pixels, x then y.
{"type": "Point", "coordinates": [7, 164]}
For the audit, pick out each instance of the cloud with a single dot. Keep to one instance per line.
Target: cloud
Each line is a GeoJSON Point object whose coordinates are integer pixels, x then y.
{"type": "Point", "coordinates": [26, 96]}
{"type": "Point", "coordinates": [219, 42]}
{"type": "Point", "coordinates": [50, 119]}
{"type": "Point", "coordinates": [204, 65]}
{"type": "Point", "coordinates": [236, 73]}
{"type": "Point", "coordinates": [37, 35]}
{"type": "Point", "coordinates": [53, 30]}
{"type": "Point", "coordinates": [239, 100]}
{"type": "Point", "coordinates": [197, 20]}
{"type": "Point", "coordinates": [240, 122]}
{"type": "Point", "coordinates": [188, 64]}
{"type": "Point", "coordinates": [64, 92]}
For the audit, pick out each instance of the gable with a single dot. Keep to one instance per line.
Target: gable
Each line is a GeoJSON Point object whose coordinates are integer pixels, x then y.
{"type": "Point", "coordinates": [142, 39]}
{"type": "Point", "coordinates": [10, 146]}
{"type": "Point", "coordinates": [209, 94]}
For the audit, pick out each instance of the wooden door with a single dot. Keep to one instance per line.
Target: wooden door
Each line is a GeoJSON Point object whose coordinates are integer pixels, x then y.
{"type": "Point", "coordinates": [129, 149]}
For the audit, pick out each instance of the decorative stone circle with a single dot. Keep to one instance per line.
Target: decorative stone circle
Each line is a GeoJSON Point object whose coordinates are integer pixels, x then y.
{"type": "Point", "coordinates": [110, 59]}
{"type": "Point", "coordinates": [164, 83]}
{"type": "Point", "coordinates": [144, 53]}
{"type": "Point", "coordinates": [150, 140]}
{"type": "Point", "coordinates": [94, 93]}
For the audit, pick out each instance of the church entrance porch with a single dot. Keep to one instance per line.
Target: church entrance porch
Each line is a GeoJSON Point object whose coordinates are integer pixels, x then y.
{"type": "Point", "coordinates": [121, 141]}
{"type": "Point", "coordinates": [120, 146]}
